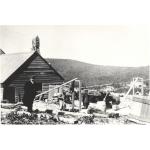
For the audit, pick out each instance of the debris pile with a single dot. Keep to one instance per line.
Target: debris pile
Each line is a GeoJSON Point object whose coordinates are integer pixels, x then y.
{"type": "Point", "coordinates": [29, 118]}
{"type": "Point", "coordinates": [46, 114]}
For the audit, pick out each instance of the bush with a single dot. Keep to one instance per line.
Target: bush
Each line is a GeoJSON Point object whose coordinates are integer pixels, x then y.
{"type": "Point", "coordinates": [27, 118]}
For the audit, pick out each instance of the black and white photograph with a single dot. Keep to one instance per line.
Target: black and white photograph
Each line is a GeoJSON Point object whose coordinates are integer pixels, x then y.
{"type": "Point", "coordinates": [74, 74]}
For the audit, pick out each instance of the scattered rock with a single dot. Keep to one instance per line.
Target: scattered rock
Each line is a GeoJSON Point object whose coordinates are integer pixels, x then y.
{"type": "Point", "coordinates": [61, 113]}
{"type": "Point", "coordinates": [49, 111]}
{"type": "Point", "coordinates": [23, 112]}
{"type": "Point", "coordinates": [50, 114]}
{"type": "Point", "coordinates": [67, 120]}
{"type": "Point", "coordinates": [86, 120]}
{"type": "Point", "coordinates": [92, 110]}
{"type": "Point", "coordinates": [113, 115]}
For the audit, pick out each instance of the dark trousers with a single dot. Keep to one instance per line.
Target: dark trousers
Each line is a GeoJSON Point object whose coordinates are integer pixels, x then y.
{"type": "Point", "coordinates": [85, 101]}
{"type": "Point", "coordinates": [30, 107]}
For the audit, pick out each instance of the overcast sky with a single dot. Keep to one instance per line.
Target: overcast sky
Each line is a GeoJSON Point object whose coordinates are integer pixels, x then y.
{"type": "Point", "coordinates": [103, 45]}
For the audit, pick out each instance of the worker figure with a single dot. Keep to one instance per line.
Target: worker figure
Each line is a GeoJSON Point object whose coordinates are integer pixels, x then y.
{"type": "Point", "coordinates": [85, 99]}
{"type": "Point", "coordinates": [72, 86]}
{"type": "Point", "coordinates": [62, 105]}
{"type": "Point", "coordinates": [29, 93]}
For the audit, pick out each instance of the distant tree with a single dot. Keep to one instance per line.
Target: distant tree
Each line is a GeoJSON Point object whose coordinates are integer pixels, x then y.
{"type": "Point", "coordinates": [97, 74]}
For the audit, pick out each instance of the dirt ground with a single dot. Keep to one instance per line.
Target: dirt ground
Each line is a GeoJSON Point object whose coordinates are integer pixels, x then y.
{"type": "Point", "coordinates": [49, 113]}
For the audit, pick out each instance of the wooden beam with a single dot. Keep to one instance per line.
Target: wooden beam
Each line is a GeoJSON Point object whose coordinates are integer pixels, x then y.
{"type": "Point", "coordinates": [72, 100]}
{"type": "Point", "coordinates": [55, 87]}
{"type": "Point", "coordinates": [40, 97]}
{"type": "Point", "coordinates": [131, 87]}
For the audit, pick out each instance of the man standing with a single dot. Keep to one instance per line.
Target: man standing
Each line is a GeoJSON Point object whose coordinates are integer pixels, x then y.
{"type": "Point", "coordinates": [29, 93]}
{"type": "Point", "coordinates": [85, 99]}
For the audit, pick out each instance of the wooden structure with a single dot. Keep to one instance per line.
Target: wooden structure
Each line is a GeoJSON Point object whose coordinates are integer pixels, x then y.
{"type": "Point", "coordinates": [140, 107]}
{"type": "Point", "coordinates": [140, 85]}
{"type": "Point", "coordinates": [133, 85]}
{"type": "Point", "coordinates": [16, 69]}
{"type": "Point", "coordinates": [58, 88]}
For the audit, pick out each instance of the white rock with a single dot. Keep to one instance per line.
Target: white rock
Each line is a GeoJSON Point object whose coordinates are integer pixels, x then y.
{"type": "Point", "coordinates": [23, 112]}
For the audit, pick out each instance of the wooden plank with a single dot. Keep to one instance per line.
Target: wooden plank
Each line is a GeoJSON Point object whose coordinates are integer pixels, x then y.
{"type": "Point", "coordinates": [131, 87]}
{"type": "Point", "coordinates": [140, 109]}
{"type": "Point", "coordinates": [39, 79]}
{"type": "Point", "coordinates": [37, 74]}
{"type": "Point", "coordinates": [57, 87]}
{"type": "Point", "coordinates": [37, 71]}
{"type": "Point", "coordinates": [145, 111]}
{"type": "Point", "coordinates": [142, 99]}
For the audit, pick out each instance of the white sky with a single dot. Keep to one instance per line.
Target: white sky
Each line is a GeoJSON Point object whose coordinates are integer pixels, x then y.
{"type": "Point", "coordinates": [103, 45]}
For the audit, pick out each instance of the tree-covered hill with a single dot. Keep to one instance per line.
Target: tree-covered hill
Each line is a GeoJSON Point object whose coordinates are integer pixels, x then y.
{"type": "Point", "coordinates": [91, 74]}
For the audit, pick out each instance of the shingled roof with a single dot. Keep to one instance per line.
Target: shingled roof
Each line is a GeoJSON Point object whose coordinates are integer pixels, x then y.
{"type": "Point", "coordinates": [9, 63]}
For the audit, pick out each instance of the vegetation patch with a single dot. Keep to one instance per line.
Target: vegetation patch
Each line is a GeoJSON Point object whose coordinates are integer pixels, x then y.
{"type": "Point", "coordinates": [25, 118]}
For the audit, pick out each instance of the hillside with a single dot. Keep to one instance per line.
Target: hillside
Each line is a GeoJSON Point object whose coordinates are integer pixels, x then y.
{"type": "Point", "coordinates": [91, 74]}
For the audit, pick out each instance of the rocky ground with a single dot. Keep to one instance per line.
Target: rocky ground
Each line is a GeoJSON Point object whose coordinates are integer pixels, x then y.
{"type": "Point", "coordinates": [49, 113]}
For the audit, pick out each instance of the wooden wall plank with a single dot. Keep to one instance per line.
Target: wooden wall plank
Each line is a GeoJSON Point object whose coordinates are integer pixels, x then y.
{"type": "Point", "coordinates": [43, 72]}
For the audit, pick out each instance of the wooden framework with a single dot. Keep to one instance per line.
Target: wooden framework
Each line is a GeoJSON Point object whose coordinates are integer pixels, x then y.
{"type": "Point", "coordinates": [135, 80]}
{"type": "Point", "coordinates": [60, 87]}
{"type": "Point", "coordinates": [140, 107]}
{"type": "Point", "coordinates": [132, 86]}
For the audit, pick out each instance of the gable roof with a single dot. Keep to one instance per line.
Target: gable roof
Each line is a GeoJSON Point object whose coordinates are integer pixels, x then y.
{"type": "Point", "coordinates": [9, 63]}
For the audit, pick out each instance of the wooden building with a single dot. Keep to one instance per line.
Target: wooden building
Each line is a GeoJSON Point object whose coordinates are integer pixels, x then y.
{"type": "Point", "coordinates": [16, 69]}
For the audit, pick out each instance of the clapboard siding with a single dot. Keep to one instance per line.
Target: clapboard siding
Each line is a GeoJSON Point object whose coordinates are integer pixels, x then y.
{"type": "Point", "coordinates": [37, 66]}
{"type": "Point", "coordinates": [38, 63]}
